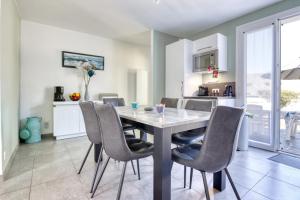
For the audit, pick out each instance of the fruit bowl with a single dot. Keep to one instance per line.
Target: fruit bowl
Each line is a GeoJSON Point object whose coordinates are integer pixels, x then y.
{"type": "Point", "coordinates": [75, 96]}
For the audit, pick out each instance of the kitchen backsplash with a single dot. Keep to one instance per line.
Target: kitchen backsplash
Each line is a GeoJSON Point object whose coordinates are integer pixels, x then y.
{"type": "Point", "coordinates": [220, 87]}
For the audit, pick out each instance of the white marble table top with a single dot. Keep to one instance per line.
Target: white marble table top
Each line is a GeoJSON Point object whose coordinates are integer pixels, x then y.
{"type": "Point", "coordinates": [171, 116]}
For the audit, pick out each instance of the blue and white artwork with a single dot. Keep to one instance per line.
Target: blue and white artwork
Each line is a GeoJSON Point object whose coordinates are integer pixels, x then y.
{"type": "Point", "coordinates": [73, 60]}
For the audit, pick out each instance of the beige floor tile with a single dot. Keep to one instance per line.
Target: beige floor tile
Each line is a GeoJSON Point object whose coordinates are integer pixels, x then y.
{"type": "Point", "coordinates": [244, 177]}
{"type": "Point", "coordinates": [51, 158]}
{"type": "Point", "coordinates": [20, 166]}
{"type": "Point", "coordinates": [17, 195]}
{"type": "Point", "coordinates": [51, 166]}
{"type": "Point", "coordinates": [16, 183]}
{"type": "Point", "coordinates": [254, 196]}
{"type": "Point", "coordinates": [286, 174]}
{"type": "Point", "coordinates": [52, 171]}
{"type": "Point", "coordinates": [277, 190]}
{"type": "Point", "coordinates": [61, 189]}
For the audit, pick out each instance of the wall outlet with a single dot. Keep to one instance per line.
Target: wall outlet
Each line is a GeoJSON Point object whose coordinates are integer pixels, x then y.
{"type": "Point", "coordinates": [46, 125]}
{"type": "Point", "coordinates": [4, 155]}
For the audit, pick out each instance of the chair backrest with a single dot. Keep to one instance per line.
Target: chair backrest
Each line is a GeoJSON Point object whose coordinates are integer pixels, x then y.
{"type": "Point", "coordinates": [90, 117]}
{"type": "Point", "coordinates": [114, 101]}
{"type": "Point", "coordinates": [199, 105]}
{"type": "Point", "coordinates": [113, 137]}
{"type": "Point", "coordinates": [107, 95]}
{"type": "Point", "coordinates": [169, 102]}
{"type": "Point", "coordinates": [220, 141]}
{"type": "Point", "coordinates": [121, 102]}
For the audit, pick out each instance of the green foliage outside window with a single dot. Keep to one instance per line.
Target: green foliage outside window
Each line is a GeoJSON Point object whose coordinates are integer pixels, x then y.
{"type": "Point", "coordinates": [288, 97]}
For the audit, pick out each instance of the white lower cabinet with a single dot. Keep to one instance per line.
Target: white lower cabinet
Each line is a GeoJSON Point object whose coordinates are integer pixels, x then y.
{"type": "Point", "coordinates": [226, 102]}
{"type": "Point", "coordinates": [67, 120]}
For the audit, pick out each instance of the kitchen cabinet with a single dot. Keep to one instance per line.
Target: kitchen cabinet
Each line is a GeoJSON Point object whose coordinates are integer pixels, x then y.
{"type": "Point", "coordinates": [216, 43]}
{"type": "Point", "coordinates": [67, 120]}
{"type": "Point", "coordinates": [179, 79]}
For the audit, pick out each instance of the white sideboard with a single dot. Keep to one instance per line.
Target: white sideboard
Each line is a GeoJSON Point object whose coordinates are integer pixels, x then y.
{"type": "Point", "coordinates": [67, 120]}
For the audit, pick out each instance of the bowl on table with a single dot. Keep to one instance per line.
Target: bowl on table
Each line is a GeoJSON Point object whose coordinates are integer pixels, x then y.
{"type": "Point", "coordinates": [75, 96]}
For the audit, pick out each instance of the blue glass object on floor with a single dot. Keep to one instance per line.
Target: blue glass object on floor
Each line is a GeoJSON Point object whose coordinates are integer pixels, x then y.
{"type": "Point", "coordinates": [25, 134]}
{"type": "Point", "coordinates": [33, 124]}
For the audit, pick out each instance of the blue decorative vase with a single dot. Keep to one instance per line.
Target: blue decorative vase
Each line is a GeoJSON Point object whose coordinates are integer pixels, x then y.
{"type": "Point", "coordinates": [33, 124]}
{"type": "Point", "coordinates": [25, 134]}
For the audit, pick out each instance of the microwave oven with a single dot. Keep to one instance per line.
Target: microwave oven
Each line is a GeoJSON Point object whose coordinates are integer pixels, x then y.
{"type": "Point", "coordinates": [202, 61]}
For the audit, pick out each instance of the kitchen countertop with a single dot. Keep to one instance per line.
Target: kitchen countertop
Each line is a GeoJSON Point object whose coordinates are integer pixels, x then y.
{"type": "Point", "coordinates": [59, 103]}
{"type": "Point", "coordinates": [209, 97]}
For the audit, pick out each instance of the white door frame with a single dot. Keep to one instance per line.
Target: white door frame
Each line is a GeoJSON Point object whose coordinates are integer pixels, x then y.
{"type": "Point", "coordinates": [241, 75]}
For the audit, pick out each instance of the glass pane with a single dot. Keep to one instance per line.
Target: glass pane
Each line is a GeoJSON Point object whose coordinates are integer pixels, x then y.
{"type": "Point", "coordinates": [290, 90]}
{"type": "Point", "coordinates": [259, 64]}
{"type": "Point", "coordinates": [205, 61]}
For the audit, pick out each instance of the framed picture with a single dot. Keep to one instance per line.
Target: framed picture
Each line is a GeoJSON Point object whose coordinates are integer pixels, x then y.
{"type": "Point", "coordinates": [72, 60]}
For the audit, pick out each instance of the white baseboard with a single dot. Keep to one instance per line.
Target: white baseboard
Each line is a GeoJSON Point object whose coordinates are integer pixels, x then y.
{"type": "Point", "coordinates": [9, 164]}
{"type": "Point", "coordinates": [61, 137]}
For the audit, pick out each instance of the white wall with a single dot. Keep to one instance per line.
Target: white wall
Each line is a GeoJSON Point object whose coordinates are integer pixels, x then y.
{"type": "Point", "coordinates": [159, 41]}
{"type": "Point", "coordinates": [41, 67]}
{"type": "Point", "coordinates": [10, 79]}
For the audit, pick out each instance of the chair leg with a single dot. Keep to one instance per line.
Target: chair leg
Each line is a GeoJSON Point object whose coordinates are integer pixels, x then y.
{"type": "Point", "coordinates": [97, 168]}
{"type": "Point", "coordinates": [191, 178]}
{"type": "Point", "coordinates": [184, 177]}
{"type": "Point", "coordinates": [133, 167]}
{"type": "Point", "coordinates": [138, 168]}
{"type": "Point", "coordinates": [205, 185]}
{"type": "Point", "coordinates": [85, 157]}
{"type": "Point", "coordinates": [232, 184]}
{"type": "Point", "coordinates": [121, 181]}
{"type": "Point", "coordinates": [101, 174]}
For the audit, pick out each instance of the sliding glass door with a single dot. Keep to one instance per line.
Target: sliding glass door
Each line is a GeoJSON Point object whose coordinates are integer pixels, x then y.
{"type": "Point", "coordinates": [259, 63]}
{"type": "Point", "coordinates": [290, 82]}
{"type": "Point", "coordinates": [256, 73]}
{"type": "Point", "coordinates": [268, 79]}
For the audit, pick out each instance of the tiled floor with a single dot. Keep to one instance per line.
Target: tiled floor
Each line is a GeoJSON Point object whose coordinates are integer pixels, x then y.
{"type": "Point", "coordinates": [47, 171]}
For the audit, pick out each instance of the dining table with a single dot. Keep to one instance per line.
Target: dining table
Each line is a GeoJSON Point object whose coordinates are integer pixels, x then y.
{"type": "Point", "coordinates": [162, 126]}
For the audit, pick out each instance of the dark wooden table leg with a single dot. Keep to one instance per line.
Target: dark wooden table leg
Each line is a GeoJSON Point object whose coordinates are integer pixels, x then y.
{"type": "Point", "coordinates": [162, 164]}
{"type": "Point", "coordinates": [220, 180]}
{"type": "Point", "coordinates": [143, 136]}
{"type": "Point", "coordinates": [97, 148]}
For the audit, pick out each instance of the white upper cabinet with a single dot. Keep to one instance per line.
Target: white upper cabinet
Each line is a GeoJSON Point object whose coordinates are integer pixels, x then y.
{"type": "Point", "coordinates": [180, 80]}
{"type": "Point", "coordinates": [211, 43]}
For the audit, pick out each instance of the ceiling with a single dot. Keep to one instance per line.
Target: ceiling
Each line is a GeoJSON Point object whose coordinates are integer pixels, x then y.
{"type": "Point", "coordinates": [130, 20]}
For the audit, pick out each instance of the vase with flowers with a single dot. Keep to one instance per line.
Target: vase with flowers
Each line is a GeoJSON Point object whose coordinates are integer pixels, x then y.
{"type": "Point", "coordinates": [88, 71]}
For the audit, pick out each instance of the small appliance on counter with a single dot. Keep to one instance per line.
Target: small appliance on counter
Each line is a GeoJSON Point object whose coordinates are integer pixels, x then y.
{"type": "Point", "coordinates": [59, 93]}
{"type": "Point", "coordinates": [228, 91]}
{"type": "Point", "coordinates": [203, 91]}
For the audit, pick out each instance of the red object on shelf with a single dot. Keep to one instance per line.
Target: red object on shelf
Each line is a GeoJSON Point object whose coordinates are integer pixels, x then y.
{"type": "Point", "coordinates": [209, 68]}
{"type": "Point", "coordinates": [215, 73]}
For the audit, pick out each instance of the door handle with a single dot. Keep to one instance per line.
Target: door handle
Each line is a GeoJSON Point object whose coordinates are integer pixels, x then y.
{"type": "Point", "coordinates": [182, 88]}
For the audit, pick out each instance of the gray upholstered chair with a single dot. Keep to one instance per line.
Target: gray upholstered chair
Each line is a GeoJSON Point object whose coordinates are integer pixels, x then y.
{"type": "Point", "coordinates": [119, 102]}
{"type": "Point", "coordinates": [218, 148]}
{"type": "Point", "coordinates": [205, 105]}
{"type": "Point", "coordinates": [93, 133]}
{"type": "Point", "coordinates": [114, 142]}
{"type": "Point", "coordinates": [169, 102]}
{"type": "Point", "coordinates": [192, 136]}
